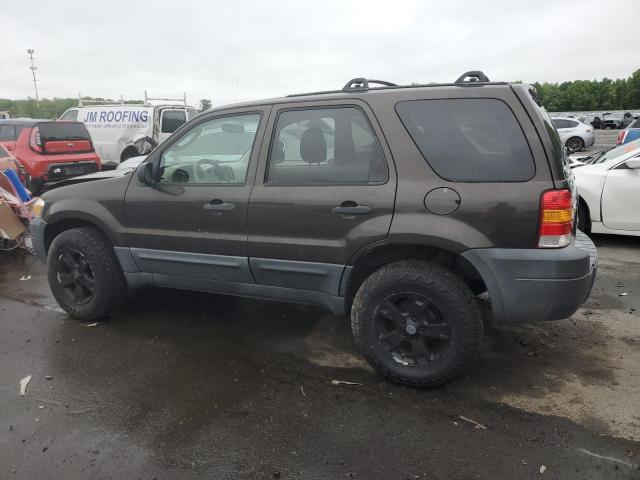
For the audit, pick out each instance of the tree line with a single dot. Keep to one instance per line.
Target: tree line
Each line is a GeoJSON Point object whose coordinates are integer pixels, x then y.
{"type": "Point", "coordinates": [52, 108]}
{"type": "Point", "coordinates": [591, 95]}
{"type": "Point", "coordinates": [577, 95]}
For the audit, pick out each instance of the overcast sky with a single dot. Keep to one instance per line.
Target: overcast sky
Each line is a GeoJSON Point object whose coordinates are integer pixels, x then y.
{"type": "Point", "coordinates": [112, 48]}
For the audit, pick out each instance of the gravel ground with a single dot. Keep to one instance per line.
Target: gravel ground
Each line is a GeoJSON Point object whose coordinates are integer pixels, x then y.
{"type": "Point", "coordinates": [604, 139]}
{"type": "Point", "coordinates": [189, 385]}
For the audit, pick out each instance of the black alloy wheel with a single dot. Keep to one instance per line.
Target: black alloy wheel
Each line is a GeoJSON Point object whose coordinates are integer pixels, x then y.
{"type": "Point", "coordinates": [410, 328]}
{"type": "Point", "coordinates": [75, 276]}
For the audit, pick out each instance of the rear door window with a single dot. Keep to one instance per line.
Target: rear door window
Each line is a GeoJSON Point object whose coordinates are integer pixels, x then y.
{"type": "Point", "coordinates": [325, 146]}
{"type": "Point", "coordinates": [469, 140]}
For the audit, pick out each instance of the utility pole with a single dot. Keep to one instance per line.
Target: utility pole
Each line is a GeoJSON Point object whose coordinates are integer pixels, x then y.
{"type": "Point", "coordinates": [33, 68]}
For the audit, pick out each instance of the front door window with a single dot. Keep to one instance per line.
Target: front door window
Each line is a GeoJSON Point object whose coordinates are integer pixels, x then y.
{"type": "Point", "coordinates": [213, 152]}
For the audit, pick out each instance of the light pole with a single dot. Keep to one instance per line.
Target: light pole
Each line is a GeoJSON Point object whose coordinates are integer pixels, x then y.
{"type": "Point", "coordinates": [33, 68]}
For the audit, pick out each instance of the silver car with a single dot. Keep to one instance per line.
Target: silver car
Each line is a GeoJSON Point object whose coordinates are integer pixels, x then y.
{"type": "Point", "coordinates": [574, 135]}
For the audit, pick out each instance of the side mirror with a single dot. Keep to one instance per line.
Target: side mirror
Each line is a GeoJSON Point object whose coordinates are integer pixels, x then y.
{"type": "Point", "coordinates": [145, 173]}
{"type": "Point", "coordinates": [633, 163]}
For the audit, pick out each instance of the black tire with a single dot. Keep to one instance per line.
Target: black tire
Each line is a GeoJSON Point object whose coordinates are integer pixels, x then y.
{"type": "Point", "coordinates": [34, 185]}
{"type": "Point", "coordinates": [583, 218]}
{"type": "Point", "coordinates": [446, 300]}
{"type": "Point", "coordinates": [129, 153]}
{"type": "Point", "coordinates": [575, 144]}
{"type": "Point", "coordinates": [84, 274]}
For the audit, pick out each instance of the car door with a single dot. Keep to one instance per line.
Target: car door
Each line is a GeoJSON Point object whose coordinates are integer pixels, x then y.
{"type": "Point", "coordinates": [621, 197]}
{"type": "Point", "coordinates": [192, 221]}
{"type": "Point", "coordinates": [325, 189]}
{"type": "Point", "coordinates": [561, 125]}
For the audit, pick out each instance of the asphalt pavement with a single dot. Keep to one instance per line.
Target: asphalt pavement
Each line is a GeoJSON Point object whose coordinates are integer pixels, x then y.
{"type": "Point", "coordinates": [189, 385]}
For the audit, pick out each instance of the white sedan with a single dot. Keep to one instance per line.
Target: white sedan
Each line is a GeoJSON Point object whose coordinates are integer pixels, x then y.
{"type": "Point", "coordinates": [609, 190]}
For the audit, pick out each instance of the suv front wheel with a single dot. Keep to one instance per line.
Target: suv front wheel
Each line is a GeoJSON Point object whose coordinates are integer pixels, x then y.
{"type": "Point", "coordinates": [84, 274]}
{"type": "Point", "coordinates": [416, 323]}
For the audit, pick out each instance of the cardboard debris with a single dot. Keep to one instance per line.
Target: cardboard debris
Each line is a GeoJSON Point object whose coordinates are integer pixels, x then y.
{"type": "Point", "coordinates": [473, 422]}
{"type": "Point", "coordinates": [23, 385]}
{"type": "Point", "coordinates": [10, 225]}
{"type": "Point", "coordinates": [343, 382]}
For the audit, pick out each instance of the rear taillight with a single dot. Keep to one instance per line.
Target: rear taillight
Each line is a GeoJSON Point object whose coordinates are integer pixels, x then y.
{"type": "Point", "coordinates": [556, 219]}
{"type": "Point", "coordinates": [34, 140]}
{"type": "Point", "coordinates": [621, 136]}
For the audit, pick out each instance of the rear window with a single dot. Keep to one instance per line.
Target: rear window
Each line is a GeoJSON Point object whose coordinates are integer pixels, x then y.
{"type": "Point", "coordinates": [63, 131]}
{"type": "Point", "coordinates": [635, 124]}
{"type": "Point", "coordinates": [469, 140]}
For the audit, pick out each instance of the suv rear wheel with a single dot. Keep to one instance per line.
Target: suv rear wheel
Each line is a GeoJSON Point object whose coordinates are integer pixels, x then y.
{"type": "Point", "coordinates": [84, 274]}
{"type": "Point", "coordinates": [416, 323]}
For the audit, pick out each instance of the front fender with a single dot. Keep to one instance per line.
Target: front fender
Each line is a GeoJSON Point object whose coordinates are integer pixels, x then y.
{"type": "Point", "coordinates": [100, 203]}
{"type": "Point", "coordinates": [590, 182]}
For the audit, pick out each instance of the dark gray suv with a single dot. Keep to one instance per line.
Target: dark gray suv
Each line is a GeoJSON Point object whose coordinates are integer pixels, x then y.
{"type": "Point", "coordinates": [402, 206]}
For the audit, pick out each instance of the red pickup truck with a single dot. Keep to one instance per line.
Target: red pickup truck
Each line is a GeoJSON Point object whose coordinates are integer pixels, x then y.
{"type": "Point", "coordinates": [49, 150]}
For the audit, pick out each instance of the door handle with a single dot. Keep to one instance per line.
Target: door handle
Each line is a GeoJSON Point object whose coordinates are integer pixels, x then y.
{"type": "Point", "coordinates": [218, 205]}
{"type": "Point", "coordinates": [352, 208]}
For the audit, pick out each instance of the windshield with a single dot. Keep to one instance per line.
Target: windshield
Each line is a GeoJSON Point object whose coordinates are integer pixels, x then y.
{"type": "Point", "coordinates": [613, 153]}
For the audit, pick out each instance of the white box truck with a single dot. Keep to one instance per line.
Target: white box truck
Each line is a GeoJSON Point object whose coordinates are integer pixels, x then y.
{"type": "Point", "coordinates": [123, 130]}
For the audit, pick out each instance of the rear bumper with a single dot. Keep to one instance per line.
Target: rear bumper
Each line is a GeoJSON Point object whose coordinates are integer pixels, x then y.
{"type": "Point", "coordinates": [590, 140]}
{"type": "Point", "coordinates": [62, 171]}
{"type": "Point", "coordinates": [537, 284]}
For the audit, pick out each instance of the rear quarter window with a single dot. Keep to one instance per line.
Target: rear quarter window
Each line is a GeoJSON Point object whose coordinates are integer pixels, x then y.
{"type": "Point", "coordinates": [469, 140]}
{"type": "Point", "coordinates": [7, 133]}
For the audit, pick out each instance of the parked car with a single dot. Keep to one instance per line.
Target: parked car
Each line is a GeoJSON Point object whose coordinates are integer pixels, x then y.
{"type": "Point", "coordinates": [121, 131]}
{"type": "Point", "coordinates": [609, 191]}
{"type": "Point", "coordinates": [631, 133]}
{"type": "Point", "coordinates": [49, 150]}
{"type": "Point", "coordinates": [591, 119]}
{"type": "Point", "coordinates": [617, 120]}
{"type": "Point", "coordinates": [574, 135]}
{"type": "Point", "coordinates": [396, 205]}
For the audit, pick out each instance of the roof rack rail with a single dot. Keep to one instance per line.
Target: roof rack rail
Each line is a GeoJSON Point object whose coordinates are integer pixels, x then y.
{"type": "Point", "coordinates": [361, 83]}
{"type": "Point", "coordinates": [147, 99]}
{"type": "Point", "coordinates": [473, 76]}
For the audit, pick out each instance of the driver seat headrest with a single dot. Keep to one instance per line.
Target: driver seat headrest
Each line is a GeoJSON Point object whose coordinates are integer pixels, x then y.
{"type": "Point", "coordinates": [313, 147]}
